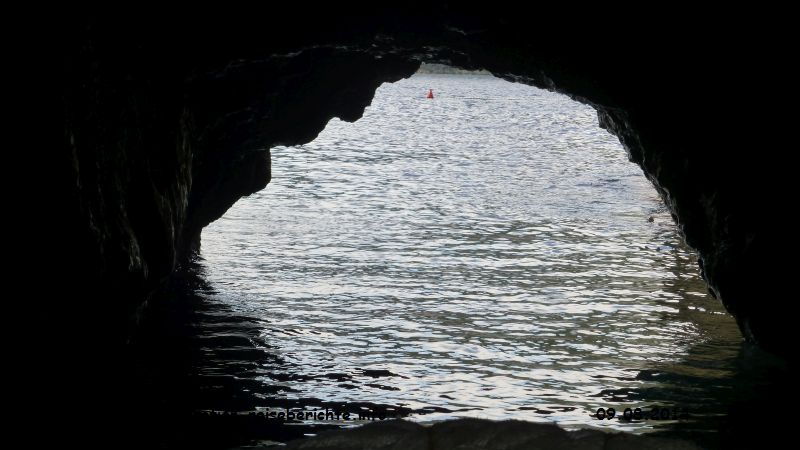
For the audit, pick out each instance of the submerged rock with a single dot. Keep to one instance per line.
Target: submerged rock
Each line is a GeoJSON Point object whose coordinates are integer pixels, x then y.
{"type": "Point", "coordinates": [477, 434]}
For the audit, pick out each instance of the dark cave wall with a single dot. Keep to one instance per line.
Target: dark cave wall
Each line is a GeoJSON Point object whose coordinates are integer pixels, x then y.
{"type": "Point", "coordinates": [250, 106]}
{"type": "Point", "coordinates": [157, 149]}
{"type": "Point", "coordinates": [168, 120]}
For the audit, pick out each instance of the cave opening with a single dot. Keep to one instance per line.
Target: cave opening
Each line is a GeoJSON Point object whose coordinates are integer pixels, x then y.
{"type": "Point", "coordinates": [150, 126]}
{"type": "Point", "coordinates": [488, 253]}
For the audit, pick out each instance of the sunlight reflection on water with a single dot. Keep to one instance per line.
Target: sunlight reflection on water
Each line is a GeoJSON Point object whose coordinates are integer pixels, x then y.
{"type": "Point", "coordinates": [489, 248]}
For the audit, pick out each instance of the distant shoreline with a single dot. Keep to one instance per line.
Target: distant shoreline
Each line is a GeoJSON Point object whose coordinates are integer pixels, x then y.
{"type": "Point", "coordinates": [426, 68]}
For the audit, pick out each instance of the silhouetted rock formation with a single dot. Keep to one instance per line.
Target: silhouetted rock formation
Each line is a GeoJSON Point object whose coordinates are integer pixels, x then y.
{"type": "Point", "coordinates": [166, 119]}
{"type": "Point", "coordinates": [167, 125]}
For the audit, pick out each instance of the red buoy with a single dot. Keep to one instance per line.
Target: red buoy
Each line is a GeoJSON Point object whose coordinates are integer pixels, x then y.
{"type": "Point", "coordinates": [430, 93]}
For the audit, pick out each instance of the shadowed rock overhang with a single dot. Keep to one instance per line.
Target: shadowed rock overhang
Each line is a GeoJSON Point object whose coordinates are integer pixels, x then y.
{"type": "Point", "coordinates": [168, 120]}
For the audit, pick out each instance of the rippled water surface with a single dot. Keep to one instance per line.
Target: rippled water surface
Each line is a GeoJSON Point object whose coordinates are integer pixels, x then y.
{"type": "Point", "coordinates": [486, 253]}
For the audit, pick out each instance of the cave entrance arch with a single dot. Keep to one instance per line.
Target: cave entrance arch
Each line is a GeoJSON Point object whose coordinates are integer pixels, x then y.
{"type": "Point", "coordinates": [165, 118]}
